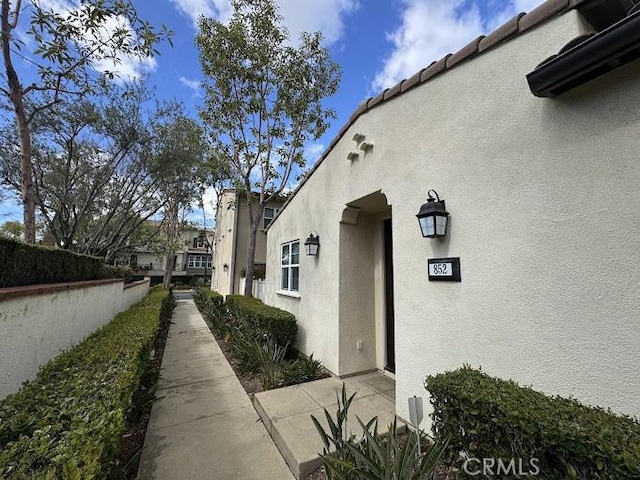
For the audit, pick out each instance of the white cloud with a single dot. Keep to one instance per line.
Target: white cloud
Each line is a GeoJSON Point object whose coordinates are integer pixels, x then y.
{"type": "Point", "coordinates": [220, 9]}
{"type": "Point", "coordinates": [430, 29]}
{"type": "Point", "coordinates": [326, 16]}
{"type": "Point", "coordinates": [312, 152]}
{"type": "Point", "coordinates": [191, 84]}
{"type": "Point", "coordinates": [209, 200]}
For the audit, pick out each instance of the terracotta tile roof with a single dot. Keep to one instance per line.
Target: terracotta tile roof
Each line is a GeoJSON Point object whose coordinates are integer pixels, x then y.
{"type": "Point", "coordinates": [507, 31]}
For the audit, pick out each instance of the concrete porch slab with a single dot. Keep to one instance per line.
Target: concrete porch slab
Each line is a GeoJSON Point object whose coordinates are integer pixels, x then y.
{"type": "Point", "coordinates": [286, 413]}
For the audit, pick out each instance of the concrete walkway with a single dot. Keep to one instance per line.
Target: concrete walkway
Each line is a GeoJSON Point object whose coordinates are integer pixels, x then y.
{"type": "Point", "coordinates": [203, 425]}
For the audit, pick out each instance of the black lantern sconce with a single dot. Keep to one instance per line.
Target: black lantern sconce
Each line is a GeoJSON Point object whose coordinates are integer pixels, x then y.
{"type": "Point", "coordinates": [433, 217]}
{"type": "Point", "coordinates": [312, 244]}
{"type": "Point", "coordinates": [225, 267]}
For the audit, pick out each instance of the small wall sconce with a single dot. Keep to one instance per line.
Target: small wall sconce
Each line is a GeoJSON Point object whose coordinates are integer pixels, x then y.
{"type": "Point", "coordinates": [225, 267]}
{"type": "Point", "coordinates": [312, 245]}
{"type": "Point", "coordinates": [432, 217]}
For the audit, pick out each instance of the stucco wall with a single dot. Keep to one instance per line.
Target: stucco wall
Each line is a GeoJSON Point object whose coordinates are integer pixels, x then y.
{"type": "Point", "coordinates": [545, 216]}
{"type": "Point", "coordinates": [223, 244]}
{"type": "Point", "coordinates": [38, 327]}
{"type": "Point", "coordinates": [134, 292]}
{"type": "Point", "coordinates": [231, 242]}
{"type": "Point", "coordinates": [357, 305]}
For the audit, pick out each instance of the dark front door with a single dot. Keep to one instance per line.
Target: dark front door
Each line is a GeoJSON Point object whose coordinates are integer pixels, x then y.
{"type": "Point", "coordinates": [388, 287]}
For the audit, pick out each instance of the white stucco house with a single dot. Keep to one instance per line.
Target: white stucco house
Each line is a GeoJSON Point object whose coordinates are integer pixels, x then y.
{"type": "Point", "coordinates": [540, 169]}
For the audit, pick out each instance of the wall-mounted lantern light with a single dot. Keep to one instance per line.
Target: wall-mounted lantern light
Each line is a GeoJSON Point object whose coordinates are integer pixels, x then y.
{"type": "Point", "coordinates": [433, 217]}
{"type": "Point", "coordinates": [312, 244]}
{"type": "Point", "coordinates": [225, 267]}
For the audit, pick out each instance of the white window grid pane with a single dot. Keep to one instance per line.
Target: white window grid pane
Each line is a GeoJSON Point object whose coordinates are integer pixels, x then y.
{"type": "Point", "coordinates": [290, 271]}
{"type": "Point", "coordinates": [295, 279]}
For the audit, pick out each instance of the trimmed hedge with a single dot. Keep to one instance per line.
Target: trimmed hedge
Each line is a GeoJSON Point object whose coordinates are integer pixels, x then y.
{"type": "Point", "coordinates": [257, 319]}
{"type": "Point", "coordinates": [25, 264]}
{"type": "Point", "coordinates": [487, 417]}
{"type": "Point", "coordinates": [209, 303]}
{"type": "Point", "coordinates": [68, 422]}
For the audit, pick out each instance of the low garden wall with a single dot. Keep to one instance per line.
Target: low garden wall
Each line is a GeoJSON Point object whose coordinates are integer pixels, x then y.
{"type": "Point", "coordinates": [134, 292]}
{"type": "Point", "coordinates": [38, 322]}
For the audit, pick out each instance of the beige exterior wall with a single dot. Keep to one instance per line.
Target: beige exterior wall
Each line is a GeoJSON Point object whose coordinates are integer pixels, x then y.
{"type": "Point", "coordinates": [231, 243]}
{"type": "Point", "coordinates": [545, 216]}
{"type": "Point", "coordinates": [224, 243]}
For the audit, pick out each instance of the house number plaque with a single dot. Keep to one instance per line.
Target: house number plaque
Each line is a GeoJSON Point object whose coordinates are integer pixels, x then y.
{"type": "Point", "coordinates": [444, 269]}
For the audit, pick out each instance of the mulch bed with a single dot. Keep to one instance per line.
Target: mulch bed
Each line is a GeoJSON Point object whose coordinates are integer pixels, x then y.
{"type": "Point", "coordinates": [251, 383]}
{"type": "Point", "coordinates": [125, 466]}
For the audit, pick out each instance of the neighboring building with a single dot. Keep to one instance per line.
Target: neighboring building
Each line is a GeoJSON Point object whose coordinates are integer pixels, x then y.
{"type": "Point", "coordinates": [544, 202]}
{"type": "Point", "coordinates": [193, 260]}
{"type": "Point", "coordinates": [231, 241]}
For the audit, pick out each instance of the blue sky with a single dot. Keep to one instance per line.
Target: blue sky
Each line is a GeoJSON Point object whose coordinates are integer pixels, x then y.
{"type": "Point", "coordinates": [376, 42]}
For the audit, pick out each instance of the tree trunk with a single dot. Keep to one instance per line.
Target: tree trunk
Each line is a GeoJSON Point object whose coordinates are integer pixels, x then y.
{"type": "Point", "coordinates": [17, 101]}
{"type": "Point", "coordinates": [172, 234]}
{"type": "Point", "coordinates": [169, 265]}
{"type": "Point", "coordinates": [251, 249]}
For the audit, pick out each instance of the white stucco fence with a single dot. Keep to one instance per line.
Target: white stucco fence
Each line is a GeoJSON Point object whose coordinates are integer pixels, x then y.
{"type": "Point", "coordinates": [40, 322]}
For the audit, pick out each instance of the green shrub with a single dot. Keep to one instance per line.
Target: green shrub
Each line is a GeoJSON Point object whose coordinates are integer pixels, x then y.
{"type": "Point", "coordinates": [68, 422]}
{"type": "Point", "coordinates": [304, 369]}
{"type": "Point", "coordinates": [247, 353]}
{"type": "Point", "coordinates": [24, 264]}
{"type": "Point", "coordinates": [111, 271]}
{"type": "Point", "coordinates": [374, 456]}
{"type": "Point", "coordinates": [258, 320]}
{"type": "Point", "coordinates": [211, 306]}
{"type": "Point", "coordinates": [492, 418]}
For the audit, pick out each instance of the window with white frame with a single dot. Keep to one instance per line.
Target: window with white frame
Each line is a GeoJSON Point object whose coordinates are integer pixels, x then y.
{"type": "Point", "coordinates": [198, 242]}
{"type": "Point", "coordinates": [290, 266]}
{"type": "Point", "coordinates": [199, 261]}
{"type": "Point", "coordinates": [268, 215]}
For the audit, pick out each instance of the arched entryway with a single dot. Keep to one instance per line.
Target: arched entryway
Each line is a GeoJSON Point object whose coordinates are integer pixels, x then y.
{"type": "Point", "coordinates": [365, 292]}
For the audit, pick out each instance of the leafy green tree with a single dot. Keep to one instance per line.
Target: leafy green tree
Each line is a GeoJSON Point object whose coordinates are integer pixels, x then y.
{"type": "Point", "coordinates": [12, 229]}
{"type": "Point", "coordinates": [72, 41]}
{"type": "Point", "coordinates": [263, 101]}
{"type": "Point", "coordinates": [93, 180]}
{"type": "Point", "coordinates": [179, 151]}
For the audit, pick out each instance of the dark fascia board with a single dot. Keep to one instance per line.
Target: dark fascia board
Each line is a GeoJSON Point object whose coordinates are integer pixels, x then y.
{"type": "Point", "coordinates": [605, 51]}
